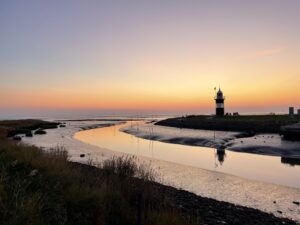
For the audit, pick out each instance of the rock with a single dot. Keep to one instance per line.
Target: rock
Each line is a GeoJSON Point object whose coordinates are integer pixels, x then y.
{"type": "Point", "coordinates": [39, 131]}
{"type": "Point", "coordinates": [274, 202]}
{"type": "Point", "coordinates": [296, 203]}
{"type": "Point", "coordinates": [82, 155]}
{"type": "Point", "coordinates": [17, 138]}
{"type": "Point", "coordinates": [14, 163]}
{"type": "Point", "coordinates": [29, 134]}
{"type": "Point", "coordinates": [33, 173]}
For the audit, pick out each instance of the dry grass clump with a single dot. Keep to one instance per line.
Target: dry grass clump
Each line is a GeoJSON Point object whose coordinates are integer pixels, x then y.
{"type": "Point", "coordinates": [14, 127]}
{"type": "Point", "coordinates": [126, 166]}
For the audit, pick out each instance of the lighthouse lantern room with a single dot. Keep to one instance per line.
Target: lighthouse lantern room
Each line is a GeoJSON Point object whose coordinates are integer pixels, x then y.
{"type": "Point", "coordinates": [219, 103]}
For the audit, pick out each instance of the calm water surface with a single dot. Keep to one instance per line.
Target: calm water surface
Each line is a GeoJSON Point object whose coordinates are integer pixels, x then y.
{"type": "Point", "coordinates": [251, 166]}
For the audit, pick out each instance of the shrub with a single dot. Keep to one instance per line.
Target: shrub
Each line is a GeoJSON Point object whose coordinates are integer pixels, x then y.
{"type": "Point", "coordinates": [126, 166]}
{"type": "Point", "coordinates": [14, 132]}
{"type": "Point", "coordinates": [122, 166]}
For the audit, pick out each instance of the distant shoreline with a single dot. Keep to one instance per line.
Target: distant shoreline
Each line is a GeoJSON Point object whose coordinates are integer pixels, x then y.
{"type": "Point", "coordinates": [250, 124]}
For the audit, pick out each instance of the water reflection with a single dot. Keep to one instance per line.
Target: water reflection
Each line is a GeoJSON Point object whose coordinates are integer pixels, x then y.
{"type": "Point", "coordinates": [220, 155]}
{"type": "Point", "coordinates": [290, 161]}
{"type": "Point", "coordinates": [258, 167]}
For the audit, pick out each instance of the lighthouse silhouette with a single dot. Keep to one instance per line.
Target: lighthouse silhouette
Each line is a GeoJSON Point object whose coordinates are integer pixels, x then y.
{"type": "Point", "coordinates": [219, 103]}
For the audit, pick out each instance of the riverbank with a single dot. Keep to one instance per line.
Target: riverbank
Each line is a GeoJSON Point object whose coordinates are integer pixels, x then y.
{"type": "Point", "coordinates": [261, 144]}
{"type": "Point", "coordinates": [258, 134]}
{"type": "Point", "coordinates": [80, 194]}
{"type": "Point", "coordinates": [248, 124]}
{"type": "Point", "coordinates": [26, 127]}
{"type": "Point", "coordinates": [40, 187]}
{"type": "Point", "coordinates": [202, 182]}
{"type": "Point", "coordinates": [193, 137]}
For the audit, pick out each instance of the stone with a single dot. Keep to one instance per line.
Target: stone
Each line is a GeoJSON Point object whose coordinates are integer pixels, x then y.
{"type": "Point", "coordinates": [33, 173]}
{"type": "Point", "coordinates": [29, 134]}
{"type": "Point", "coordinates": [17, 138]}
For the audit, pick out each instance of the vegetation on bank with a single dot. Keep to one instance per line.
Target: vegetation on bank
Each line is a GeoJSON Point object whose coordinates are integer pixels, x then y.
{"type": "Point", "coordinates": [44, 188]}
{"type": "Point", "coordinates": [244, 123]}
{"type": "Point", "coordinates": [38, 187]}
{"type": "Point", "coordinates": [15, 127]}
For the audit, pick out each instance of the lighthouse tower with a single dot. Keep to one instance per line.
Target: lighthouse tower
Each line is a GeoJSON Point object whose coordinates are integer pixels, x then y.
{"type": "Point", "coordinates": [219, 103]}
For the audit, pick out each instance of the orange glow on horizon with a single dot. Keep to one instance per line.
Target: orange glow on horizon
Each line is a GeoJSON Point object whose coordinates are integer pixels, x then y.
{"type": "Point", "coordinates": [139, 99]}
{"type": "Point", "coordinates": [267, 79]}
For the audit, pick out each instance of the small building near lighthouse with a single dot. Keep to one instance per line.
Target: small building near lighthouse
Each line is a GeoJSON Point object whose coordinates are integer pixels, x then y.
{"type": "Point", "coordinates": [219, 103]}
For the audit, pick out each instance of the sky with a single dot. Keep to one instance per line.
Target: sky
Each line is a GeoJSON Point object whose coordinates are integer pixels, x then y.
{"type": "Point", "coordinates": [148, 56]}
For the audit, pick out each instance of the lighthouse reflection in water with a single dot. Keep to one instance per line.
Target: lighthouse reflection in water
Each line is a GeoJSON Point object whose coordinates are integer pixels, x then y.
{"type": "Point", "coordinates": [220, 156]}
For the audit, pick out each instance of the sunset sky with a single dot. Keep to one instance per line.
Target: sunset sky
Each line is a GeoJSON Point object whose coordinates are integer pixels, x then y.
{"type": "Point", "coordinates": [149, 56]}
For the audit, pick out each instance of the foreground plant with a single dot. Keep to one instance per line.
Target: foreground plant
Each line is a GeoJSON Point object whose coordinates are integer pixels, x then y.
{"type": "Point", "coordinates": [38, 187]}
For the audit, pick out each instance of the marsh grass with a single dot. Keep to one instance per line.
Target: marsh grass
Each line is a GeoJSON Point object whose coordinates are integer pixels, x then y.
{"type": "Point", "coordinates": [242, 123]}
{"type": "Point", "coordinates": [14, 127]}
{"type": "Point", "coordinates": [126, 166]}
{"type": "Point", "coordinates": [38, 187]}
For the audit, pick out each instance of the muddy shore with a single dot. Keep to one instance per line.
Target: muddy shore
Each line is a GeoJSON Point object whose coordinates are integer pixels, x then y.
{"type": "Point", "coordinates": [209, 211]}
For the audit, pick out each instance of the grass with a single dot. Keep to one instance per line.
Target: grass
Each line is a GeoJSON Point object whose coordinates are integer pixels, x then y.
{"type": "Point", "coordinates": [39, 187]}
{"type": "Point", "coordinates": [244, 123]}
{"type": "Point", "coordinates": [126, 167]}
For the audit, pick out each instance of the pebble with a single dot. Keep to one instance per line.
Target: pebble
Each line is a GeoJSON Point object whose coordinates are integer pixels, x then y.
{"type": "Point", "coordinates": [33, 173]}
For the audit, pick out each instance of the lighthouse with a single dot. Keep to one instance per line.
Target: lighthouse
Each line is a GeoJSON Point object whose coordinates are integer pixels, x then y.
{"type": "Point", "coordinates": [219, 103]}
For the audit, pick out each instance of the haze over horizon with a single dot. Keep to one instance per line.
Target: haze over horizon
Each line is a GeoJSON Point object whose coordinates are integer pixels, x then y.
{"type": "Point", "coordinates": [148, 57]}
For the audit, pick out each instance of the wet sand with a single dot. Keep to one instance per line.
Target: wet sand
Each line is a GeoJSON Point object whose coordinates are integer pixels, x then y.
{"type": "Point", "coordinates": [264, 144]}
